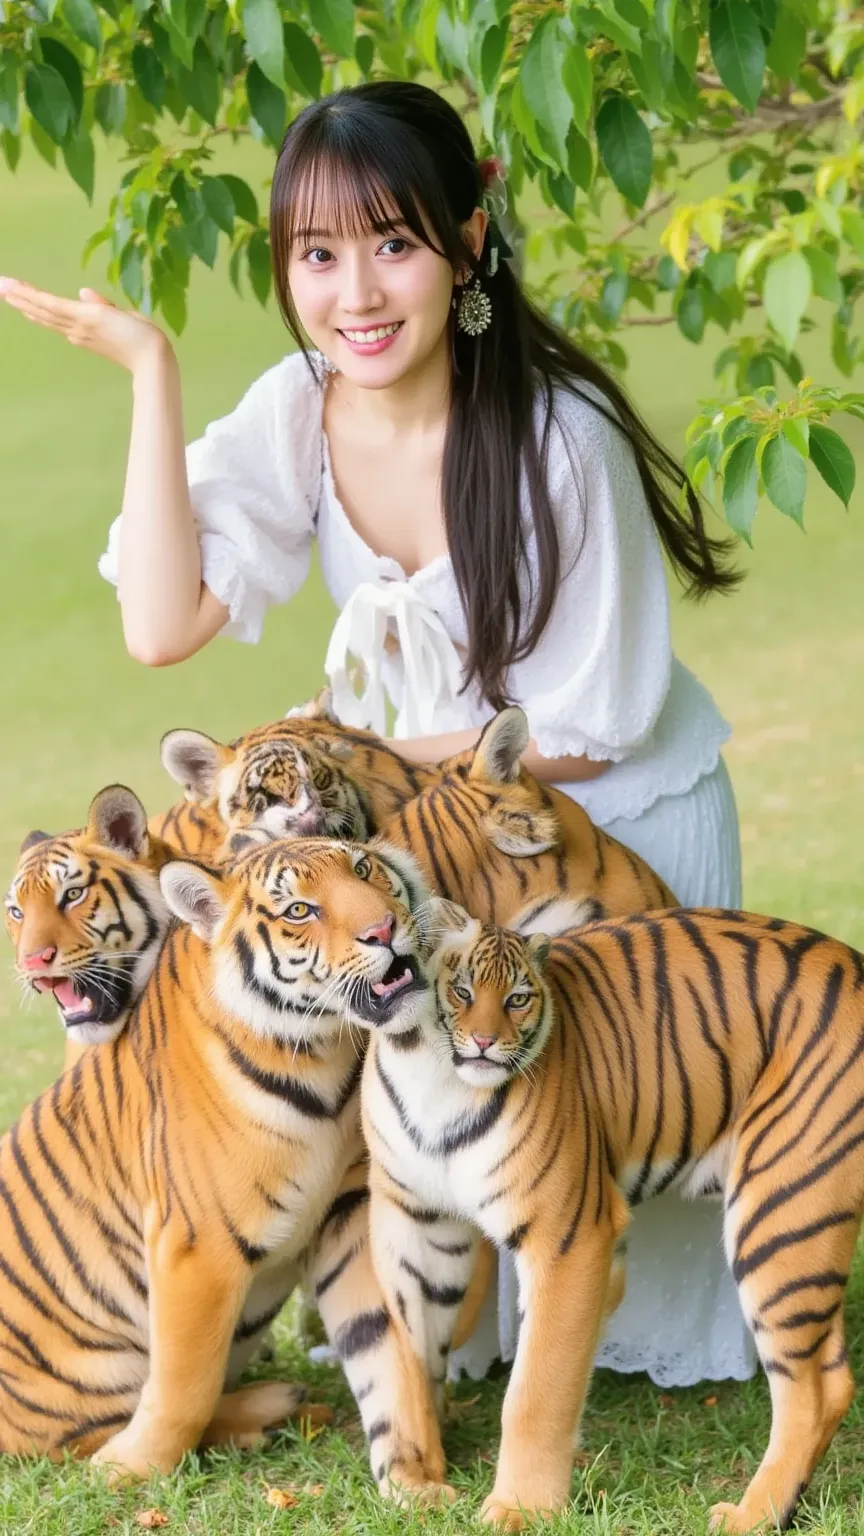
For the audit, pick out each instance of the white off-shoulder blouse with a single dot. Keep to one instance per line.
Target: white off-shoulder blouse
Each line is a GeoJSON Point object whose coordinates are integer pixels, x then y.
{"type": "Point", "coordinates": [602, 680]}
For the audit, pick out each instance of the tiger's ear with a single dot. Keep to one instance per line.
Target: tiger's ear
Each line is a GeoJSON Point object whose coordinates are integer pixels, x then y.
{"type": "Point", "coordinates": [249, 837]}
{"type": "Point", "coordinates": [446, 915]}
{"type": "Point", "coordinates": [194, 896]}
{"type": "Point", "coordinates": [117, 820]}
{"type": "Point", "coordinates": [521, 833]}
{"type": "Point", "coordinates": [497, 753]}
{"type": "Point", "coordinates": [319, 708]}
{"type": "Point", "coordinates": [195, 761]}
{"type": "Point", "coordinates": [539, 945]}
{"type": "Point", "coordinates": [333, 746]}
{"type": "Point", "coordinates": [32, 839]}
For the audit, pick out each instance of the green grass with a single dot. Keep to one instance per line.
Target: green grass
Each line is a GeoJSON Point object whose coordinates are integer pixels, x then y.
{"type": "Point", "coordinates": [785, 659]}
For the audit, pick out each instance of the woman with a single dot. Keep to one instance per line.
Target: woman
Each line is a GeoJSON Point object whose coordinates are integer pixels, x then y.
{"type": "Point", "coordinates": [490, 513]}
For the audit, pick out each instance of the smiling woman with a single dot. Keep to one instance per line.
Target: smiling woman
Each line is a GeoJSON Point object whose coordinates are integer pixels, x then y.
{"type": "Point", "coordinates": [490, 513]}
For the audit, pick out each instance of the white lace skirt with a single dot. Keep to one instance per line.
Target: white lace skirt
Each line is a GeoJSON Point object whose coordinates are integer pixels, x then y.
{"type": "Point", "coordinates": [680, 1320]}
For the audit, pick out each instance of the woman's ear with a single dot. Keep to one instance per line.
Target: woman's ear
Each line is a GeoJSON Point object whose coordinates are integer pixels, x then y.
{"type": "Point", "coordinates": [474, 234]}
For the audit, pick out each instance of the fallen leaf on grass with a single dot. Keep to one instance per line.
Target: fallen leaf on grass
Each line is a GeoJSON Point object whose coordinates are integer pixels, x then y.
{"type": "Point", "coordinates": [314, 1490]}
{"type": "Point", "coordinates": [666, 1401]}
{"type": "Point", "coordinates": [711, 1402]}
{"type": "Point", "coordinates": [150, 1519]}
{"type": "Point", "coordinates": [282, 1498]}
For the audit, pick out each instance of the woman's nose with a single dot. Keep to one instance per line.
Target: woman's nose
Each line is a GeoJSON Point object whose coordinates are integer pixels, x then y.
{"type": "Point", "coordinates": [360, 291]}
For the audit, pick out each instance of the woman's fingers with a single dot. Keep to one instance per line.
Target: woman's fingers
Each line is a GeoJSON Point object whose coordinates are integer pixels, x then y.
{"type": "Point", "coordinates": [48, 308]}
{"type": "Point", "coordinates": [90, 296]}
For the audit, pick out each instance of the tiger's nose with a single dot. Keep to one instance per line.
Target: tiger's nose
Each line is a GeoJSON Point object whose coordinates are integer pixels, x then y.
{"type": "Point", "coordinates": [40, 957]}
{"type": "Point", "coordinates": [483, 1042]}
{"type": "Point", "coordinates": [379, 933]}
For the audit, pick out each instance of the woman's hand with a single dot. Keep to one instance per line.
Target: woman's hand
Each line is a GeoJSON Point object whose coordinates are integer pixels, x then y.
{"type": "Point", "coordinates": [89, 321]}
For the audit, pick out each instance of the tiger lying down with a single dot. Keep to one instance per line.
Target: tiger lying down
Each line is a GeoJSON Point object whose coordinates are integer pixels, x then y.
{"type": "Point", "coordinates": [547, 1087]}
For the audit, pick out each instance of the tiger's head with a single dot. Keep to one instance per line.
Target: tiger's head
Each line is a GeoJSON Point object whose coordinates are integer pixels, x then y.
{"type": "Point", "coordinates": [281, 781]}
{"type": "Point", "coordinates": [310, 934]}
{"type": "Point", "coordinates": [87, 917]}
{"type": "Point", "coordinates": [492, 1000]}
{"type": "Point", "coordinates": [511, 808]}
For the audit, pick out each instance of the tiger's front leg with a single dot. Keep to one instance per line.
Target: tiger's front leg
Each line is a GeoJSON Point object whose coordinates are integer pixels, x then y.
{"type": "Point", "coordinates": [563, 1297]}
{"type": "Point", "coordinates": [400, 1424]}
{"type": "Point", "coordinates": [196, 1293]}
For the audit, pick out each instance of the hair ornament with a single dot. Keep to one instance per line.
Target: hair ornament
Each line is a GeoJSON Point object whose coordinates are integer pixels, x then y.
{"type": "Point", "coordinates": [492, 174]}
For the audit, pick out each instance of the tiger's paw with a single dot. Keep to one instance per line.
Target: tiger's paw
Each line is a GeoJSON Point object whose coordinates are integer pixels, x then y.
{"type": "Point", "coordinates": [125, 1458]}
{"type": "Point", "coordinates": [404, 1488]}
{"type": "Point", "coordinates": [732, 1520]}
{"type": "Point", "coordinates": [509, 1515]}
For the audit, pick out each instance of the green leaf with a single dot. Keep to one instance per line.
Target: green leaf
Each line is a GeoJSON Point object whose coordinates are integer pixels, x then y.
{"type": "Point", "coordinates": [823, 270]}
{"type": "Point", "coordinates": [719, 268]}
{"type": "Point", "coordinates": [786, 294]}
{"type": "Point", "coordinates": [625, 148]}
{"type": "Point", "coordinates": [333, 20]}
{"type": "Point", "coordinates": [243, 198]}
{"type": "Point", "coordinates": [97, 239]}
{"type": "Point", "coordinates": [83, 21]}
{"type": "Point", "coordinates": [853, 229]}
{"type": "Point", "coordinates": [668, 274]}
{"type": "Point", "coordinates": [580, 165]}
{"type": "Point", "coordinates": [262, 24]}
{"type": "Point", "coordinates": [788, 45]}
{"type": "Point", "coordinates": [188, 199]}
{"type": "Point", "coordinates": [784, 474]}
{"type": "Point", "coordinates": [797, 430]}
{"type": "Point", "coordinates": [258, 256]}
{"type": "Point", "coordinates": [303, 69]}
{"type": "Point", "coordinates": [8, 94]}
{"type": "Point", "coordinates": [690, 314]}
{"type": "Point", "coordinates": [203, 237]}
{"type": "Point", "coordinates": [172, 302]}
{"type": "Point", "coordinates": [132, 274]}
{"type": "Point", "coordinates": [266, 103]}
{"type": "Point", "coordinates": [200, 84]}
{"type": "Point", "coordinates": [111, 107]}
{"type": "Point", "coordinates": [492, 51]}
{"type": "Point", "coordinates": [364, 52]}
{"type": "Point", "coordinates": [579, 84]}
{"type": "Point", "coordinates": [833, 460]}
{"type": "Point", "coordinates": [57, 55]}
{"type": "Point", "coordinates": [759, 372]}
{"type": "Point", "coordinates": [80, 159]}
{"type": "Point", "coordinates": [614, 295]}
{"type": "Point", "coordinates": [49, 101]}
{"type": "Point", "coordinates": [11, 148]}
{"type": "Point", "coordinates": [45, 146]}
{"type": "Point", "coordinates": [738, 49]}
{"type": "Point", "coordinates": [543, 87]}
{"type": "Point", "coordinates": [149, 74]}
{"type": "Point", "coordinates": [741, 487]}
{"type": "Point", "coordinates": [218, 202]}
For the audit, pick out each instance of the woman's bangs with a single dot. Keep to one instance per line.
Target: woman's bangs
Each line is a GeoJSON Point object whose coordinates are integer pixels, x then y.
{"type": "Point", "coordinates": [340, 196]}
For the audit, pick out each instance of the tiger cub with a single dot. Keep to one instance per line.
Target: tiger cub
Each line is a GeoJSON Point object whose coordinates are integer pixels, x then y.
{"type": "Point", "coordinates": [302, 776]}
{"type": "Point", "coordinates": [489, 835]}
{"type": "Point", "coordinates": [87, 917]}
{"type": "Point", "coordinates": [550, 1087]}
{"type": "Point", "coordinates": [163, 1199]}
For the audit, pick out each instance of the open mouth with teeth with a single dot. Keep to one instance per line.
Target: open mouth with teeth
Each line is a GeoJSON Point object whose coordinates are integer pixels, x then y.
{"type": "Point", "coordinates": [81, 1001]}
{"type": "Point", "coordinates": [378, 1001]}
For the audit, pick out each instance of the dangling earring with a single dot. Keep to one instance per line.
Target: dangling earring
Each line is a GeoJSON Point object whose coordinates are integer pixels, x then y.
{"type": "Point", "coordinates": [474, 311]}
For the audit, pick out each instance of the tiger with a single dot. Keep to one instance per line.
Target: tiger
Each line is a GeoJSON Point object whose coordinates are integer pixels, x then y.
{"type": "Point", "coordinates": [491, 837]}
{"type": "Point", "coordinates": [554, 1084]}
{"type": "Point", "coordinates": [163, 1198]}
{"type": "Point", "coordinates": [304, 775]}
{"type": "Point", "coordinates": [87, 918]}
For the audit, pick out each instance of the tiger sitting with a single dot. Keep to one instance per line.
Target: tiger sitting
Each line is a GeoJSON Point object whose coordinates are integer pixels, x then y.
{"type": "Point", "coordinates": [302, 776]}
{"type": "Point", "coordinates": [162, 1200]}
{"type": "Point", "coordinates": [87, 918]}
{"type": "Point", "coordinates": [549, 1087]}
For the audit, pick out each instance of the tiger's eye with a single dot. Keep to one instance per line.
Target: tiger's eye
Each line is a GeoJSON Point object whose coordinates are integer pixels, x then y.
{"type": "Point", "coordinates": [296, 911]}
{"type": "Point", "coordinates": [74, 893]}
{"type": "Point", "coordinates": [519, 1000]}
{"type": "Point", "coordinates": [363, 869]}
{"type": "Point", "coordinates": [15, 913]}
{"type": "Point", "coordinates": [462, 993]}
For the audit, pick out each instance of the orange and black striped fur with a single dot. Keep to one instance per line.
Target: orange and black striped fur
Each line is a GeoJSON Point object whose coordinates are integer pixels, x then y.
{"type": "Point", "coordinates": [87, 917]}
{"type": "Point", "coordinates": [305, 775]}
{"type": "Point", "coordinates": [492, 837]}
{"type": "Point", "coordinates": [162, 1200]}
{"type": "Point", "coordinates": [543, 1096]}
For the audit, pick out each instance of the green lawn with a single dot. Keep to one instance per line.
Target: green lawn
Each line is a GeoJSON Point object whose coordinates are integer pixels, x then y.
{"type": "Point", "coordinates": [785, 658]}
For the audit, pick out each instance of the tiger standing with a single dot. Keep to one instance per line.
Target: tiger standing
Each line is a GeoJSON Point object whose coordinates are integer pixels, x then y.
{"type": "Point", "coordinates": [548, 1089]}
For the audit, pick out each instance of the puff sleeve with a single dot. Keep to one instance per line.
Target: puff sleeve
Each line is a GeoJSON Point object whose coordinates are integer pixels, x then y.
{"type": "Point", "coordinates": [597, 680]}
{"type": "Point", "coordinates": [254, 482]}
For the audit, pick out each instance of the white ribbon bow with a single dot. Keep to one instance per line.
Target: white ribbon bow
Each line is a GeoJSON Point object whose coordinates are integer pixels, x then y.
{"type": "Point", "coordinates": [431, 672]}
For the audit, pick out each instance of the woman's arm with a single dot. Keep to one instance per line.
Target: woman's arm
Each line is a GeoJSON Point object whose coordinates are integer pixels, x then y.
{"type": "Point", "coordinates": [554, 770]}
{"type": "Point", "coordinates": [167, 611]}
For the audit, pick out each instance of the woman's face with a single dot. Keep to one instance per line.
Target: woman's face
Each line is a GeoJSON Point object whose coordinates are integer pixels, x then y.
{"type": "Point", "coordinates": [376, 304]}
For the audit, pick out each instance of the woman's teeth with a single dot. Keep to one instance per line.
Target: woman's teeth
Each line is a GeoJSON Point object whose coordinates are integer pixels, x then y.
{"type": "Point", "coordinates": [376, 335]}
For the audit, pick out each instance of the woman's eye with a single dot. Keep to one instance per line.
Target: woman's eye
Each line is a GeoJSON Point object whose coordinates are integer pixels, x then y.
{"type": "Point", "coordinates": [396, 241]}
{"type": "Point", "coordinates": [317, 256]}
{"type": "Point", "coordinates": [298, 910]}
{"type": "Point", "coordinates": [463, 994]}
{"type": "Point", "coordinates": [519, 1000]}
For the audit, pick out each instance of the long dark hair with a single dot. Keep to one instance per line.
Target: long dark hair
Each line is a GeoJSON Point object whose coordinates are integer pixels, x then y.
{"type": "Point", "coordinates": [363, 151]}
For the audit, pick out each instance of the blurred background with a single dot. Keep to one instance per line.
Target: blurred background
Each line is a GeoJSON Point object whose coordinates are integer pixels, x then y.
{"type": "Point", "coordinates": [784, 657]}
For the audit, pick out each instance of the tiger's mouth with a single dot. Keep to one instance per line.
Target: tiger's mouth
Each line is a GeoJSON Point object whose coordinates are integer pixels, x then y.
{"type": "Point", "coordinates": [378, 1001]}
{"type": "Point", "coordinates": [81, 999]}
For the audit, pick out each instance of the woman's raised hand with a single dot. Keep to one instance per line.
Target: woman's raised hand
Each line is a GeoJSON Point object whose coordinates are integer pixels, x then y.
{"type": "Point", "coordinates": [89, 321]}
